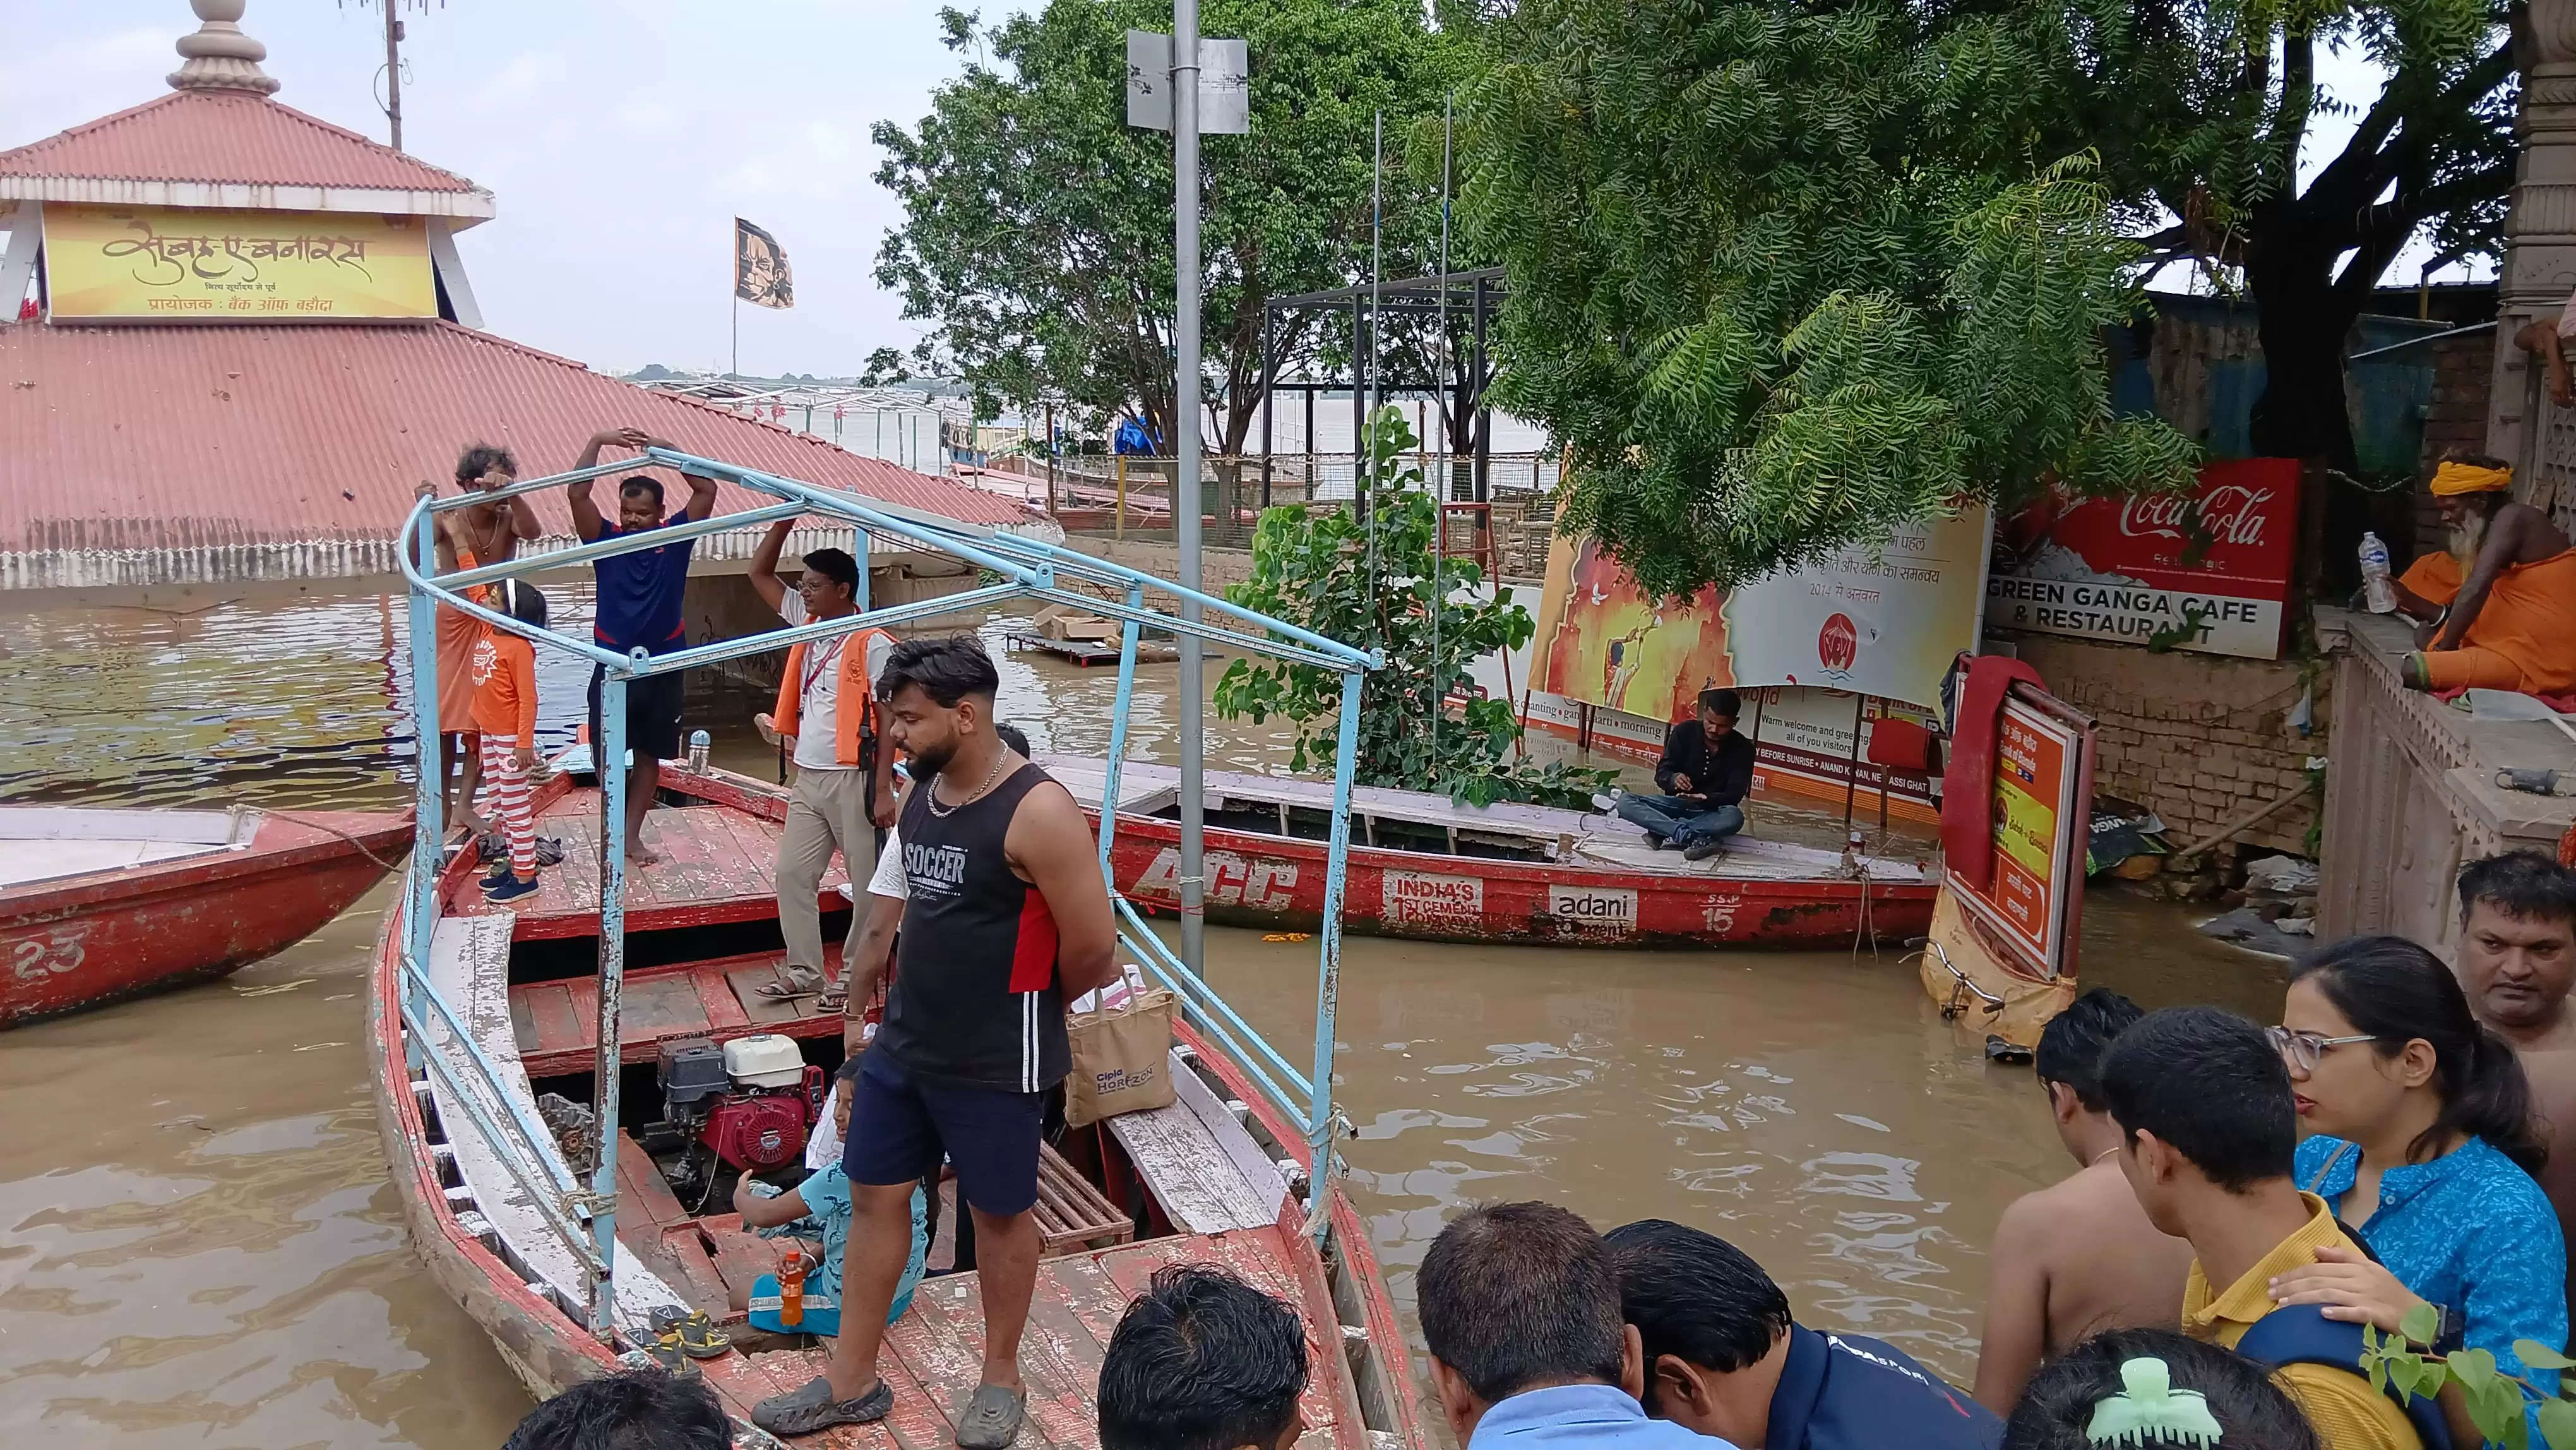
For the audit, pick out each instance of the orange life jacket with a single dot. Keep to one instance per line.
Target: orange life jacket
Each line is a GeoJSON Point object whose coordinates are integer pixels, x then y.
{"type": "Point", "coordinates": [849, 725]}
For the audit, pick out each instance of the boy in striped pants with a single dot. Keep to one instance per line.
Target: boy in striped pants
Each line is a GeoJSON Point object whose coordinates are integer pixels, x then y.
{"type": "Point", "coordinates": [505, 711]}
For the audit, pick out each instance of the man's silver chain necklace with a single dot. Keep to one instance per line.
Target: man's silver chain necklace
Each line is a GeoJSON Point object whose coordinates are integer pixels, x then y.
{"type": "Point", "coordinates": [976, 794]}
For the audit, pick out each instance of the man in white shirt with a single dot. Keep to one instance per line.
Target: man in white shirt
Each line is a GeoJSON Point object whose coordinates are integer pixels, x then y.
{"type": "Point", "coordinates": [844, 791]}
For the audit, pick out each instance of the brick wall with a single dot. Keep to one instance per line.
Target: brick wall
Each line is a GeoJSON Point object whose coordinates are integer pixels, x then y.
{"type": "Point", "coordinates": [2200, 739]}
{"type": "Point", "coordinates": [2463, 369]}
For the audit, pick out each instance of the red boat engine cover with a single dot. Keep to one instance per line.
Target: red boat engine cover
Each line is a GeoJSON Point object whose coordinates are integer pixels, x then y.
{"type": "Point", "coordinates": [757, 1131]}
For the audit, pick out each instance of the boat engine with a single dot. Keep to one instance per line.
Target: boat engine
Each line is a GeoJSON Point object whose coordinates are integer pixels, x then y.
{"type": "Point", "coordinates": [750, 1102]}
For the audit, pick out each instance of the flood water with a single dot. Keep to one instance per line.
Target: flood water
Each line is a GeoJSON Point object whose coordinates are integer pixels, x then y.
{"type": "Point", "coordinates": [198, 1246]}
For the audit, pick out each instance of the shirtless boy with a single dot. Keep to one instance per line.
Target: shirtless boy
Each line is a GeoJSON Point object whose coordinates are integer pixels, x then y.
{"type": "Point", "coordinates": [2517, 958]}
{"type": "Point", "coordinates": [467, 538]}
{"type": "Point", "coordinates": [2079, 1256]}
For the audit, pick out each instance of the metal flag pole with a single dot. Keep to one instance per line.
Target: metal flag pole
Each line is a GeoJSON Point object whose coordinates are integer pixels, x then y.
{"type": "Point", "coordinates": [1185, 467]}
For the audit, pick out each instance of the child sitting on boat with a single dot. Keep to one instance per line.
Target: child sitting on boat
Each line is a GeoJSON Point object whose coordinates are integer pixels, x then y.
{"type": "Point", "coordinates": [504, 672]}
{"type": "Point", "coordinates": [817, 1213]}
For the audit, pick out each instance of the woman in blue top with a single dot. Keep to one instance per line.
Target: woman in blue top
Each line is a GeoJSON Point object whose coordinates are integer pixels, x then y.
{"type": "Point", "coordinates": [2420, 1140]}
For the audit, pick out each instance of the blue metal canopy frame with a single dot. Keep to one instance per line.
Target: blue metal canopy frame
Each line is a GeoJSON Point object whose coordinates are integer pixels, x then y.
{"type": "Point", "coordinates": [1026, 569]}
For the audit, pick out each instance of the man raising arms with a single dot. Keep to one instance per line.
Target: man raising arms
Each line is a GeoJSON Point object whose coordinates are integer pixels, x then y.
{"type": "Point", "coordinates": [2517, 957]}
{"type": "Point", "coordinates": [639, 608]}
{"type": "Point", "coordinates": [1007, 920]}
{"type": "Point", "coordinates": [2077, 1257]}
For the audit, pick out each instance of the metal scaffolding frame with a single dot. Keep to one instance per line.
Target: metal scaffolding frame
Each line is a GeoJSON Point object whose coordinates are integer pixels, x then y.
{"type": "Point", "coordinates": [1026, 569]}
{"type": "Point", "coordinates": [1472, 294]}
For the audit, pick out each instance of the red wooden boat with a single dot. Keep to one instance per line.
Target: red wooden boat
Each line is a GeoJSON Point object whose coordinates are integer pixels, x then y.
{"type": "Point", "coordinates": [1217, 1177]}
{"type": "Point", "coordinates": [99, 904]}
{"type": "Point", "coordinates": [1423, 866]}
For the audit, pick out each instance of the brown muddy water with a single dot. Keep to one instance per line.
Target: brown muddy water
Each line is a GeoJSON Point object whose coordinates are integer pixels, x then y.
{"type": "Point", "coordinates": [198, 1246]}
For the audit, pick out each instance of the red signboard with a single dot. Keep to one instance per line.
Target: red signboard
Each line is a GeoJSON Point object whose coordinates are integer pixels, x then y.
{"type": "Point", "coordinates": [2207, 570]}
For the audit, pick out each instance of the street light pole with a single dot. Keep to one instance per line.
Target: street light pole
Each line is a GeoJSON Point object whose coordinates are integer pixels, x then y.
{"type": "Point", "coordinates": [1185, 467]}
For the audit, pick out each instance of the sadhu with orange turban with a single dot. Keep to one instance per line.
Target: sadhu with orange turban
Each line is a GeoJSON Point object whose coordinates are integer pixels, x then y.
{"type": "Point", "coordinates": [2498, 607]}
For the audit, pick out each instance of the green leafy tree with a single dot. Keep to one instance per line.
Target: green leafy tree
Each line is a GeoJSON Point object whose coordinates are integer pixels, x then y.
{"type": "Point", "coordinates": [1372, 580]}
{"type": "Point", "coordinates": [1037, 231]}
{"type": "Point", "coordinates": [1784, 277]}
{"type": "Point", "coordinates": [2204, 112]}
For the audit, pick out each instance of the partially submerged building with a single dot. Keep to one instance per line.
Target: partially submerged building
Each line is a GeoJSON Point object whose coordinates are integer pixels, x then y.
{"type": "Point", "coordinates": [247, 338]}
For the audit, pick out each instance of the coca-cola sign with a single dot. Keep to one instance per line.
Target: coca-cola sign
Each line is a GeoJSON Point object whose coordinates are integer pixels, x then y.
{"type": "Point", "coordinates": [2205, 570]}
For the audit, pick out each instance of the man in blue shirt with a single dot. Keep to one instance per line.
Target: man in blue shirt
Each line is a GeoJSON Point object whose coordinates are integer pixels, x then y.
{"type": "Point", "coordinates": [1520, 1308]}
{"type": "Point", "coordinates": [1723, 1358]}
{"type": "Point", "coordinates": [639, 608]}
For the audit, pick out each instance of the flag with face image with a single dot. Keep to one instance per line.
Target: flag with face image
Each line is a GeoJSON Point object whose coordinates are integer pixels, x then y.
{"type": "Point", "coordinates": [760, 267]}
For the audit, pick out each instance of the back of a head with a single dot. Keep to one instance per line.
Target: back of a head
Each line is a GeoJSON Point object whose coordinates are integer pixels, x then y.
{"type": "Point", "coordinates": [2057, 1409]}
{"type": "Point", "coordinates": [2522, 884]}
{"type": "Point", "coordinates": [524, 602]}
{"type": "Point", "coordinates": [947, 670]}
{"type": "Point", "coordinates": [1519, 1294]}
{"type": "Point", "coordinates": [1201, 1361]}
{"type": "Point", "coordinates": [2072, 1044]}
{"type": "Point", "coordinates": [2208, 1085]}
{"type": "Point", "coordinates": [639, 1409]}
{"type": "Point", "coordinates": [1012, 736]}
{"type": "Point", "coordinates": [2396, 991]}
{"type": "Point", "coordinates": [1693, 1294]}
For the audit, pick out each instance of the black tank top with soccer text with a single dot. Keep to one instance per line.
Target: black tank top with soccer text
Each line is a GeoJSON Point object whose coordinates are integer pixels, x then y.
{"type": "Point", "coordinates": [975, 1001]}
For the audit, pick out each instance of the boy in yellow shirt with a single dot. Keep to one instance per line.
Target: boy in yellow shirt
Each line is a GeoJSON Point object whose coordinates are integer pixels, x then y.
{"type": "Point", "coordinates": [2208, 1127]}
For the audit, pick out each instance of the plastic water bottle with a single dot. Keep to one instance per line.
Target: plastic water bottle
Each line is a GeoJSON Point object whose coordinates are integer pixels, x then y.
{"type": "Point", "coordinates": [698, 738]}
{"type": "Point", "coordinates": [2377, 592]}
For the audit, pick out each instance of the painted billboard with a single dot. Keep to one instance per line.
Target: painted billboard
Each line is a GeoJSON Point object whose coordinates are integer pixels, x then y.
{"type": "Point", "coordinates": [1882, 622]}
{"type": "Point", "coordinates": [2207, 570]}
{"type": "Point", "coordinates": [2039, 828]}
{"type": "Point", "coordinates": [260, 266]}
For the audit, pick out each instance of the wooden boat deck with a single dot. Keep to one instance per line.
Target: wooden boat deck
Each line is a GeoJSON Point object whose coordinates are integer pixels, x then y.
{"type": "Point", "coordinates": [1578, 838]}
{"type": "Point", "coordinates": [934, 1353]}
{"type": "Point", "coordinates": [717, 865]}
{"type": "Point", "coordinates": [48, 843]}
{"type": "Point", "coordinates": [557, 1023]}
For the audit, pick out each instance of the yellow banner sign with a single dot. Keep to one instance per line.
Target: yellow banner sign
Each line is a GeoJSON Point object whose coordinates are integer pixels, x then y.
{"type": "Point", "coordinates": [257, 266]}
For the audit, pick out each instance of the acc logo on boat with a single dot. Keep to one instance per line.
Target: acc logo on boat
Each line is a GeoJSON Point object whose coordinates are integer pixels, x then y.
{"type": "Point", "coordinates": [1231, 880]}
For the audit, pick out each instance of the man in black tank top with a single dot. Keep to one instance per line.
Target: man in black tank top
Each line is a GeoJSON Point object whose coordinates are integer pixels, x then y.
{"type": "Point", "coordinates": [1006, 922]}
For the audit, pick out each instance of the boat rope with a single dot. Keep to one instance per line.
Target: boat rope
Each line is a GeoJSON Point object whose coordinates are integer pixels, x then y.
{"type": "Point", "coordinates": [382, 864]}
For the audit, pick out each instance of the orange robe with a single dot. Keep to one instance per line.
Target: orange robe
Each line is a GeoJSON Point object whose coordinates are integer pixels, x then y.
{"type": "Point", "coordinates": [2523, 639]}
{"type": "Point", "coordinates": [458, 633]}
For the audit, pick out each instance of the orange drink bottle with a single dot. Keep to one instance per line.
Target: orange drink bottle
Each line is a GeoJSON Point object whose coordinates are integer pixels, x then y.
{"type": "Point", "coordinates": [791, 1287]}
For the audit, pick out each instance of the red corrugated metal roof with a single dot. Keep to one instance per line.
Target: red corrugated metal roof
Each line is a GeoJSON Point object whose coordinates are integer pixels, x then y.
{"type": "Point", "coordinates": [212, 437]}
{"type": "Point", "coordinates": [224, 136]}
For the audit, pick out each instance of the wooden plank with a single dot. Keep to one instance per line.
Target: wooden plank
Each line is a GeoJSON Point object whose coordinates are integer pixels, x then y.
{"type": "Point", "coordinates": [1248, 1156]}
{"type": "Point", "coordinates": [950, 1334]}
{"type": "Point", "coordinates": [746, 983]}
{"type": "Point", "coordinates": [1189, 1173]}
{"type": "Point", "coordinates": [642, 1189]}
{"type": "Point", "coordinates": [469, 968]}
{"type": "Point", "coordinates": [740, 1255]}
{"type": "Point", "coordinates": [660, 1007]}
{"type": "Point", "coordinates": [109, 824]}
{"type": "Point", "coordinates": [559, 1027]}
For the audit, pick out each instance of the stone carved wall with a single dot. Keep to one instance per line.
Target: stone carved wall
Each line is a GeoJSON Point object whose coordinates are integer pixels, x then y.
{"type": "Point", "coordinates": [2539, 271]}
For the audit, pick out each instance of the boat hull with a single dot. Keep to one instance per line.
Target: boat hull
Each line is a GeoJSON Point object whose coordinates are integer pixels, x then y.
{"type": "Point", "coordinates": [550, 1352]}
{"type": "Point", "coordinates": [1276, 883]}
{"type": "Point", "coordinates": [86, 941]}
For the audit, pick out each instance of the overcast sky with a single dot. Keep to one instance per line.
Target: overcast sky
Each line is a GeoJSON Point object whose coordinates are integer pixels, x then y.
{"type": "Point", "coordinates": [620, 141]}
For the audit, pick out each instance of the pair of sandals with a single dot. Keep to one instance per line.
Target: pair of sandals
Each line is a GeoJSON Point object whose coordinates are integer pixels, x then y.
{"type": "Point", "coordinates": [681, 1335]}
{"type": "Point", "coordinates": [783, 988]}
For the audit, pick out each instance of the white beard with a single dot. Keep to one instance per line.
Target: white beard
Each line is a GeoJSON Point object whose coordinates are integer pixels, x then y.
{"type": "Point", "coordinates": [2467, 537]}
